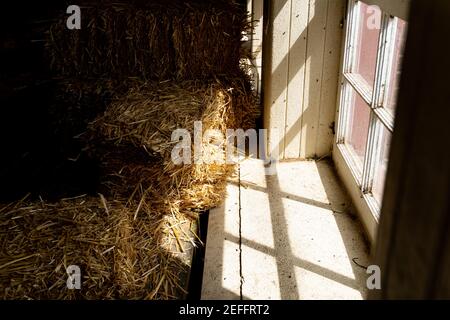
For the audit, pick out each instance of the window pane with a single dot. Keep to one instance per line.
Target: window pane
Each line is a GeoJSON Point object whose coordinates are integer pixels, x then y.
{"type": "Point", "coordinates": [381, 166]}
{"type": "Point", "coordinates": [358, 125]}
{"type": "Point", "coordinates": [366, 46]}
{"type": "Point", "coordinates": [394, 77]}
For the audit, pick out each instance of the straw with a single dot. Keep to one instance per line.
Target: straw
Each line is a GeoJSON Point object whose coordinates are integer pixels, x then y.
{"type": "Point", "coordinates": [119, 257]}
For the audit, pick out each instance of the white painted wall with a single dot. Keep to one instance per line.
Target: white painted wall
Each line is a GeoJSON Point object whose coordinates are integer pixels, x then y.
{"type": "Point", "coordinates": [301, 70]}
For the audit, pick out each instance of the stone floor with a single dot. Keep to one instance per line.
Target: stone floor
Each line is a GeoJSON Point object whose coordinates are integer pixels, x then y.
{"type": "Point", "coordinates": [289, 235]}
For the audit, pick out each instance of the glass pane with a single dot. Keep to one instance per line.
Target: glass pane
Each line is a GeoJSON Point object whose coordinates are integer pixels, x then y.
{"type": "Point", "coordinates": [381, 166]}
{"type": "Point", "coordinates": [358, 125]}
{"type": "Point", "coordinates": [394, 77]}
{"type": "Point", "coordinates": [366, 46]}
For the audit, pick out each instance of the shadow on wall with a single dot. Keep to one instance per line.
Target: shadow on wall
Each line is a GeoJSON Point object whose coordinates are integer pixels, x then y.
{"type": "Point", "coordinates": [301, 76]}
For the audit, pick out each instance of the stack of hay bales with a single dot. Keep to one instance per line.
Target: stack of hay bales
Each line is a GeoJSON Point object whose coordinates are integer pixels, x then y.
{"type": "Point", "coordinates": [150, 67]}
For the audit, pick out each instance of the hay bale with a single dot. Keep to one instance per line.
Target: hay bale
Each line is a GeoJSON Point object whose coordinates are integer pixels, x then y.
{"type": "Point", "coordinates": [188, 190]}
{"type": "Point", "coordinates": [207, 41]}
{"type": "Point", "coordinates": [144, 120]}
{"type": "Point", "coordinates": [117, 42]}
{"type": "Point", "coordinates": [148, 115]}
{"type": "Point", "coordinates": [150, 40]}
{"type": "Point", "coordinates": [120, 257]}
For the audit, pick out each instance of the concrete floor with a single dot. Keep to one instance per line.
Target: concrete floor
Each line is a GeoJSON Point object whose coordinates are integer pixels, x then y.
{"type": "Point", "coordinates": [285, 236]}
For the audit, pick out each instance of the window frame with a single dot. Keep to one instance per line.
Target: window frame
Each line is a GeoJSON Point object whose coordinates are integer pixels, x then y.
{"type": "Point", "coordinates": [359, 179]}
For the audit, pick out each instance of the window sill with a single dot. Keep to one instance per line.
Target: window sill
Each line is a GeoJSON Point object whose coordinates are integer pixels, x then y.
{"type": "Point", "coordinates": [365, 205]}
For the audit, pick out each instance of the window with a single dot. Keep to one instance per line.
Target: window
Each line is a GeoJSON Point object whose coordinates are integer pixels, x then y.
{"type": "Point", "coordinates": [370, 78]}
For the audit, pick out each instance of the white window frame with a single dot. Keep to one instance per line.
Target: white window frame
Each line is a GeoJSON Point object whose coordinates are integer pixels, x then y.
{"type": "Point", "coordinates": [359, 179]}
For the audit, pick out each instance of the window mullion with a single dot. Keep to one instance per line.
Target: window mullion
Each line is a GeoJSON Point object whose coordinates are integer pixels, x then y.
{"type": "Point", "coordinates": [343, 114]}
{"type": "Point", "coordinates": [360, 86]}
{"type": "Point", "coordinates": [352, 37]}
{"type": "Point", "coordinates": [382, 63]}
{"type": "Point", "coordinates": [373, 150]}
{"type": "Point", "coordinates": [349, 49]}
{"type": "Point", "coordinates": [386, 118]}
{"type": "Point", "coordinates": [373, 147]}
{"type": "Point", "coordinates": [390, 48]}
